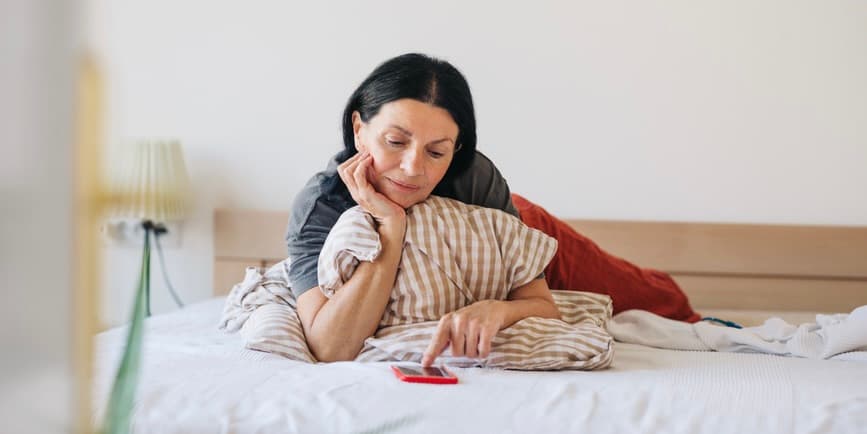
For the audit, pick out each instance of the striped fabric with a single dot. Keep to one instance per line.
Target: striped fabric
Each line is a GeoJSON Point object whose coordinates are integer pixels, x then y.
{"type": "Point", "coordinates": [454, 255]}
{"type": "Point", "coordinates": [262, 307]}
{"type": "Point", "coordinates": [271, 324]}
{"type": "Point", "coordinates": [578, 341]}
{"type": "Point", "coordinates": [254, 291]}
{"type": "Point", "coordinates": [276, 328]}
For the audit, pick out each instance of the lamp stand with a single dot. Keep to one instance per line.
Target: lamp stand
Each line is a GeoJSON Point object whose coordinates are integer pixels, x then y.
{"type": "Point", "coordinates": [118, 412]}
{"type": "Point", "coordinates": [148, 227]}
{"type": "Point", "coordinates": [155, 229]}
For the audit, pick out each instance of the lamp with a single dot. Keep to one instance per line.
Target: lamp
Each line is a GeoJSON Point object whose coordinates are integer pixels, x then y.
{"type": "Point", "coordinates": [152, 189]}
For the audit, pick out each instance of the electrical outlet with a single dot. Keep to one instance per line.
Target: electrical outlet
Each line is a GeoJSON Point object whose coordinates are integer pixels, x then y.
{"type": "Point", "coordinates": [130, 233]}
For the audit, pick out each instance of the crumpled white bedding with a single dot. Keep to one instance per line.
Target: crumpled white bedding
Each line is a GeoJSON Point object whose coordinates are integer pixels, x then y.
{"type": "Point", "coordinates": [256, 291]}
{"type": "Point", "coordinates": [839, 336]}
{"type": "Point", "coordinates": [196, 378]}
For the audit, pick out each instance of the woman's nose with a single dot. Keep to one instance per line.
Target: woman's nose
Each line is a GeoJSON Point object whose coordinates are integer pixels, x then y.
{"type": "Point", "coordinates": [413, 162]}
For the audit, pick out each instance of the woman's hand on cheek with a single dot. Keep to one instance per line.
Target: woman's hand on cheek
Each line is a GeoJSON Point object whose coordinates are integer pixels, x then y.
{"type": "Point", "coordinates": [469, 331]}
{"type": "Point", "coordinates": [355, 174]}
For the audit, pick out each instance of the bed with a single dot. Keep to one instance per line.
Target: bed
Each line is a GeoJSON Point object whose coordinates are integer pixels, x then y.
{"type": "Point", "coordinates": [198, 379]}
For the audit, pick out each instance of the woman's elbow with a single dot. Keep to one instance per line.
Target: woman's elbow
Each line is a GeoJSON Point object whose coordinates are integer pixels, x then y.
{"type": "Point", "coordinates": [331, 351]}
{"type": "Point", "coordinates": [333, 356]}
{"type": "Point", "coordinates": [555, 312]}
{"type": "Point", "coordinates": [551, 310]}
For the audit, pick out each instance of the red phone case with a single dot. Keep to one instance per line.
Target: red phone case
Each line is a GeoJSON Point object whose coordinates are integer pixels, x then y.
{"type": "Point", "coordinates": [451, 379]}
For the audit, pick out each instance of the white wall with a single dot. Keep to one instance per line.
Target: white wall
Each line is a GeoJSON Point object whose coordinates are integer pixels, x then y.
{"type": "Point", "coordinates": [724, 111]}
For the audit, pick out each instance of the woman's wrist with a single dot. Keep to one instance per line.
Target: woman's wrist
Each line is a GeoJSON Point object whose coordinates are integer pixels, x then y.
{"type": "Point", "coordinates": [512, 311]}
{"type": "Point", "coordinates": [392, 227]}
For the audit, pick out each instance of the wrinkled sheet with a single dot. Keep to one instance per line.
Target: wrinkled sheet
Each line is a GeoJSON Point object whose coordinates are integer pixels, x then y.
{"type": "Point", "coordinates": [838, 336]}
{"type": "Point", "coordinates": [198, 379]}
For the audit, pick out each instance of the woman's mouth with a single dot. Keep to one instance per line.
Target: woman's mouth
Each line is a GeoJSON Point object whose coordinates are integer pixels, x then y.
{"type": "Point", "coordinates": [402, 186]}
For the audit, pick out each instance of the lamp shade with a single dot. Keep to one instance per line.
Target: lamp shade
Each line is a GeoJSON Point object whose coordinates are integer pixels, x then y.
{"type": "Point", "coordinates": [152, 184]}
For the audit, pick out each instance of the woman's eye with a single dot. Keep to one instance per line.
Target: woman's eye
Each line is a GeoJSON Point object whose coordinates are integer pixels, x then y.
{"type": "Point", "coordinates": [435, 154]}
{"type": "Point", "coordinates": [394, 142]}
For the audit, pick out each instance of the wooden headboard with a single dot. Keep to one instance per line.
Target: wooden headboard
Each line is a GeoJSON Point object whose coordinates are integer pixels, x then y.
{"type": "Point", "coordinates": [721, 267]}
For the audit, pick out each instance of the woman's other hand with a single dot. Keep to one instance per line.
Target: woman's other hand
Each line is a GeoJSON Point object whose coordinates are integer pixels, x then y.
{"type": "Point", "coordinates": [472, 328]}
{"type": "Point", "coordinates": [469, 330]}
{"type": "Point", "coordinates": [354, 172]}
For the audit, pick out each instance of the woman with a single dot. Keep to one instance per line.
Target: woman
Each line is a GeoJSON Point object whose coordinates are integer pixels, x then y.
{"type": "Point", "coordinates": [409, 132]}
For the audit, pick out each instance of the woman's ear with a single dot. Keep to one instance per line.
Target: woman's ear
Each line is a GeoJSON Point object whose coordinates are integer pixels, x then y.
{"type": "Point", "coordinates": [356, 130]}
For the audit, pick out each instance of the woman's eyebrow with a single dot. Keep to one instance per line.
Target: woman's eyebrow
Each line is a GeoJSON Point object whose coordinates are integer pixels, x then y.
{"type": "Point", "coordinates": [402, 129]}
{"type": "Point", "coordinates": [409, 133]}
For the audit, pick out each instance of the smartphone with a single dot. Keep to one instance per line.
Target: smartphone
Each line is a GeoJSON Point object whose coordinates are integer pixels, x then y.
{"type": "Point", "coordinates": [417, 374]}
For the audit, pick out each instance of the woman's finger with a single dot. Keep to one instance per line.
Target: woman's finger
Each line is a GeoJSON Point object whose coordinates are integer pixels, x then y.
{"type": "Point", "coordinates": [365, 191]}
{"type": "Point", "coordinates": [359, 173]}
{"type": "Point", "coordinates": [472, 344]}
{"type": "Point", "coordinates": [349, 162]}
{"type": "Point", "coordinates": [344, 169]}
{"type": "Point", "coordinates": [486, 335]}
{"type": "Point", "coordinates": [458, 338]}
{"type": "Point", "coordinates": [437, 345]}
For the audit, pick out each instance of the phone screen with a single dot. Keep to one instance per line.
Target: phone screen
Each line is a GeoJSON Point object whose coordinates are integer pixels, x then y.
{"type": "Point", "coordinates": [432, 371]}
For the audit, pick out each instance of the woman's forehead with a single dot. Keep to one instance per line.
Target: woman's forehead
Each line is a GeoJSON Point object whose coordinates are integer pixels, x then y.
{"type": "Point", "coordinates": [413, 118]}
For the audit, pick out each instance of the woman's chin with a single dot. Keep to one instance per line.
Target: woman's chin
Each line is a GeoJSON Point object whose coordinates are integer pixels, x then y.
{"type": "Point", "coordinates": [405, 202]}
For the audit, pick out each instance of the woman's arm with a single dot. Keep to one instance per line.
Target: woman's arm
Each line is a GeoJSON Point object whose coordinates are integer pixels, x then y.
{"type": "Point", "coordinates": [336, 328]}
{"type": "Point", "coordinates": [532, 299]}
{"type": "Point", "coordinates": [470, 330]}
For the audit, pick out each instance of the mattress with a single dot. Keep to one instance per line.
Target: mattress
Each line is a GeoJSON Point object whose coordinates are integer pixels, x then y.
{"type": "Point", "coordinates": [197, 379]}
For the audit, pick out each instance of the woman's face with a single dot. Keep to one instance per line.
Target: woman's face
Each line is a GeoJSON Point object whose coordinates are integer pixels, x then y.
{"type": "Point", "coordinates": [412, 144]}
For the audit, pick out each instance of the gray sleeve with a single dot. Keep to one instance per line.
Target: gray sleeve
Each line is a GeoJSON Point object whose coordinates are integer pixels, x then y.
{"type": "Point", "coordinates": [309, 223]}
{"type": "Point", "coordinates": [482, 184]}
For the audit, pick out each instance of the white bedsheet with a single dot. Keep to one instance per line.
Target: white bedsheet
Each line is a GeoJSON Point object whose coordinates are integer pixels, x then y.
{"type": "Point", "coordinates": [198, 379]}
{"type": "Point", "coordinates": [839, 336]}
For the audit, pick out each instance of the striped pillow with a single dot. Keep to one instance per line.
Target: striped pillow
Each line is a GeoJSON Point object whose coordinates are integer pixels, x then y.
{"type": "Point", "coordinates": [578, 341]}
{"type": "Point", "coordinates": [454, 255]}
{"type": "Point", "coordinates": [275, 328]}
{"type": "Point", "coordinates": [263, 308]}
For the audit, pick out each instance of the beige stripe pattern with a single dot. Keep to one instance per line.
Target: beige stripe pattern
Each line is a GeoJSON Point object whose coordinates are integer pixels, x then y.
{"type": "Point", "coordinates": [254, 291]}
{"type": "Point", "coordinates": [262, 308]}
{"type": "Point", "coordinates": [454, 255]}
{"type": "Point", "coordinates": [578, 341]}
{"type": "Point", "coordinates": [276, 328]}
{"type": "Point", "coordinates": [353, 240]}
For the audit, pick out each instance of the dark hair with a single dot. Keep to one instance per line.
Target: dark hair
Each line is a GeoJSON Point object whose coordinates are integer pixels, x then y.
{"type": "Point", "coordinates": [421, 78]}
